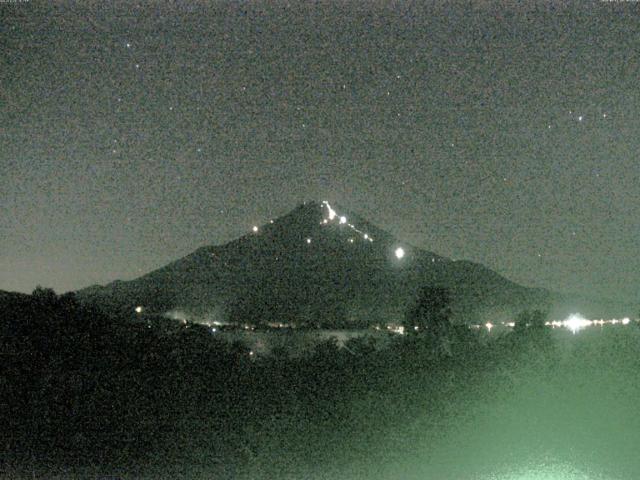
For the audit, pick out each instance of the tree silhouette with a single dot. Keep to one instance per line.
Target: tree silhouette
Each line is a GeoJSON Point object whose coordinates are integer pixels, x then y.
{"type": "Point", "coordinates": [530, 319]}
{"type": "Point", "coordinates": [431, 312]}
{"type": "Point", "coordinates": [46, 296]}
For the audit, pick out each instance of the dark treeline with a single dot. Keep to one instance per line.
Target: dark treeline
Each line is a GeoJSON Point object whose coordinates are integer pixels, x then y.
{"type": "Point", "coordinates": [83, 391]}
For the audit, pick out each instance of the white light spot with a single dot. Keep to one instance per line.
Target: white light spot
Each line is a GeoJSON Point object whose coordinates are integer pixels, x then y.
{"type": "Point", "coordinates": [575, 322]}
{"type": "Point", "coordinates": [308, 240]}
{"type": "Point", "coordinates": [366, 237]}
{"type": "Point", "coordinates": [128, 45]}
{"type": "Point", "coordinates": [399, 252]}
{"type": "Point", "coordinates": [139, 309]}
{"type": "Point", "coordinates": [580, 118]}
{"type": "Point", "coordinates": [343, 219]}
{"type": "Point", "coordinates": [351, 240]}
{"type": "Point", "coordinates": [489, 326]}
{"type": "Point", "coordinates": [604, 115]}
{"type": "Point", "coordinates": [625, 321]}
{"type": "Point", "coordinates": [255, 229]}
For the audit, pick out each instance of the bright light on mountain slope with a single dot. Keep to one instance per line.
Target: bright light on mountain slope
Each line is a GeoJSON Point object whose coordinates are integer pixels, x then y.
{"type": "Point", "coordinates": [342, 220]}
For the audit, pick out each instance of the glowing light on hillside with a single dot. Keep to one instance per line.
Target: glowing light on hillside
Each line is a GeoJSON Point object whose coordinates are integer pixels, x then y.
{"type": "Point", "coordinates": [399, 252]}
{"type": "Point", "coordinates": [308, 240]}
{"type": "Point", "coordinates": [575, 322]}
{"type": "Point", "coordinates": [332, 212]}
{"type": "Point", "coordinates": [625, 321]}
{"type": "Point", "coordinates": [489, 326]}
{"type": "Point", "coordinates": [255, 229]}
{"type": "Point", "coordinates": [139, 309]}
{"type": "Point", "coordinates": [343, 221]}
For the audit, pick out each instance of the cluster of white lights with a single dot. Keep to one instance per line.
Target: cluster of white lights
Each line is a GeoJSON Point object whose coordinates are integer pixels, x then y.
{"type": "Point", "coordinates": [573, 322]}
{"type": "Point", "coordinates": [399, 329]}
{"type": "Point", "coordinates": [342, 220]}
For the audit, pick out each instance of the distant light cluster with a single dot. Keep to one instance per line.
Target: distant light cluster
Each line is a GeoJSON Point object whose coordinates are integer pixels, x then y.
{"type": "Point", "coordinates": [342, 220]}
{"type": "Point", "coordinates": [574, 322]}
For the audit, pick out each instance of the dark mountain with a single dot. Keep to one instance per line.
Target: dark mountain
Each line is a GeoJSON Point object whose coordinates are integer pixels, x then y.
{"type": "Point", "coordinates": [315, 265]}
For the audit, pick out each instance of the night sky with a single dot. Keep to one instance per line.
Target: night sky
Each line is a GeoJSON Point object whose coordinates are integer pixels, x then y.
{"type": "Point", "coordinates": [132, 134]}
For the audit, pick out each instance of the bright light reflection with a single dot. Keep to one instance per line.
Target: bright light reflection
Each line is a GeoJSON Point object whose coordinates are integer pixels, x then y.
{"type": "Point", "coordinates": [255, 229]}
{"type": "Point", "coordinates": [138, 309]}
{"type": "Point", "coordinates": [575, 322]}
{"type": "Point", "coordinates": [399, 252]}
{"type": "Point", "coordinates": [343, 219]}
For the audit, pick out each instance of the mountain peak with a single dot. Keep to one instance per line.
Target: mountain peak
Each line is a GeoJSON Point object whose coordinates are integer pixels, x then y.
{"type": "Point", "coordinates": [317, 262]}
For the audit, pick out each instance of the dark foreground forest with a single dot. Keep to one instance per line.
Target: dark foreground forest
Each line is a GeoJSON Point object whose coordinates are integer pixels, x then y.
{"type": "Point", "coordinates": [85, 395]}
